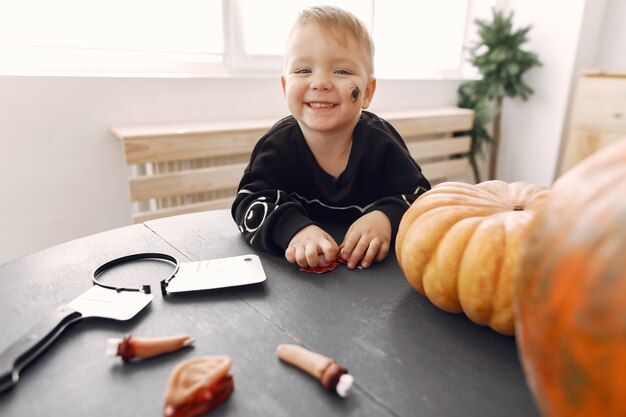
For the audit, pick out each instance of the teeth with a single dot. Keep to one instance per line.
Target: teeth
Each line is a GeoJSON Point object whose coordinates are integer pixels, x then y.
{"type": "Point", "coordinates": [321, 105]}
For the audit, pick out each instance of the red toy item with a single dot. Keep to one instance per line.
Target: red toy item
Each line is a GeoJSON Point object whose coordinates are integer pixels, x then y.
{"type": "Point", "coordinates": [322, 269]}
{"type": "Point", "coordinates": [196, 386]}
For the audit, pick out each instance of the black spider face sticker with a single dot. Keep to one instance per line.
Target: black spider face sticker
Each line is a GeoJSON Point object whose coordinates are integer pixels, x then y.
{"type": "Point", "coordinates": [355, 92]}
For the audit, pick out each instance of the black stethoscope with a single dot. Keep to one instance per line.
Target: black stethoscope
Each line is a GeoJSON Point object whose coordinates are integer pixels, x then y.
{"type": "Point", "coordinates": [137, 257]}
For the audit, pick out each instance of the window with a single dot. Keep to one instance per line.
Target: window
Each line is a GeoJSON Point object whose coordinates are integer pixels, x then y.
{"type": "Point", "coordinates": [425, 38]}
{"type": "Point", "coordinates": [260, 29]}
{"type": "Point", "coordinates": [151, 37]}
{"type": "Point", "coordinates": [218, 37]}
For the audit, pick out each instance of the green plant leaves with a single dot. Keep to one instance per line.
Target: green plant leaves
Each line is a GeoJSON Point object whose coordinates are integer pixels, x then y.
{"type": "Point", "coordinates": [499, 58]}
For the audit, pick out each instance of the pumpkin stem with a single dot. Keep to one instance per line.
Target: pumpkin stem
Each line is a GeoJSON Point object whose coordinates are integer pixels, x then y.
{"type": "Point", "coordinates": [518, 208]}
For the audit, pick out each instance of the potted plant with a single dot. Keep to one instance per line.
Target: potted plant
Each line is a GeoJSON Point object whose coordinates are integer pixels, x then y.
{"type": "Point", "coordinates": [499, 58]}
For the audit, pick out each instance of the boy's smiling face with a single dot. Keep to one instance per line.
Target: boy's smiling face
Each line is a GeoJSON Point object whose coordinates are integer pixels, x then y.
{"type": "Point", "coordinates": [320, 75]}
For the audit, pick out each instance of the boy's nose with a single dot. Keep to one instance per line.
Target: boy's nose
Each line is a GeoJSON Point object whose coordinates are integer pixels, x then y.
{"type": "Point", "coordinates": [320, 82]}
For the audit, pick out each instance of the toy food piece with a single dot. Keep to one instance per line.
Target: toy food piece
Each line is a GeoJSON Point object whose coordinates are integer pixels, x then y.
{"type": "Point", "coordinates": [327, 268]}
{"type": "Point", "coordinates": [332, 376]}
{"type": "Point", "coordinates": [196, 386]}
{"type": "Point", "coordinates": [146, 347]}
{"type": "Point", "coordinates": [321, 269]}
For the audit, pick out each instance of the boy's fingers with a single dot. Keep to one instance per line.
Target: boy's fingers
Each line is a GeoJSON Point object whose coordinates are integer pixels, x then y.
{"type": "Point", "coordinates": [311, 255]}
{"type": "Point", "coordinates": [301, 256]}
{"type": "Point", "coordinates": [357, 253]}
{"type": "Point", "coordinates": [370, 254]}
{"type": "Point", "coordinates": [348, 245]}
{"type": "Point", "coordinates": [329, 252]}
{"type": "Point", "coordinates": [383, 251]}
{"type": "Point", "coordinates": [290, 254]}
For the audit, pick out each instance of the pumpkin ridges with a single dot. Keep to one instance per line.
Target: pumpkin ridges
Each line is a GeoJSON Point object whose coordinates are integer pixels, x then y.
{"type": "Point", "coordinates": [461, 188]}
{"type": "Point", "coordinates": [483, 191]}
{"type": "Point", "coordinates": [536, 202]}
{"type": "Point", "coordinates": [480, 269]}
{"type": "Point", "coordinates": [531, 196]}
{"type": "Point", "coordinates": [440, 275]}
{"type": "Point", "coordinates": [429, 202]}
{"type": "Point", "coordinates": [424, 235]}
{"type": "Point", "coordinates": [515, 226]}
{"type": "Point", "coordinates": [489, 266]}
{"type": "Point", "coordinates": [495, 187]}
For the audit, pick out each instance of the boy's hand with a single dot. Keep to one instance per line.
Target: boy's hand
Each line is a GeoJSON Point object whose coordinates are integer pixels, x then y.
{"type": "Point", "coordinates": [312, 247]}
{"type": "Point", "coordinates": [367, 240]}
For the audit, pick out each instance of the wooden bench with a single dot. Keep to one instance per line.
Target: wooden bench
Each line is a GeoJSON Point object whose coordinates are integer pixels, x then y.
{"type": "Point", "coordinates": [184, 168]}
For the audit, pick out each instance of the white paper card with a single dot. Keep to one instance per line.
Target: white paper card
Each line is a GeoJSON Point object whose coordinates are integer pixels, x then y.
{"type": "Point", "coordinates": [217, 273]}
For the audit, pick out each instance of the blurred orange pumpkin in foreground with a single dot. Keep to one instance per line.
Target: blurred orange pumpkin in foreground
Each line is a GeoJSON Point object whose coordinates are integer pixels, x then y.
{"type": "Point", "coordinates": [571, 294]}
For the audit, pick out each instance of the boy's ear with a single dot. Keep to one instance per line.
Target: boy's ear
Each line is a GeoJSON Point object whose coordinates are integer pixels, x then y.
{"type": "Point", "coordinates": [283, 82]}
{"type": "Point", "coordinates": [369, 93]}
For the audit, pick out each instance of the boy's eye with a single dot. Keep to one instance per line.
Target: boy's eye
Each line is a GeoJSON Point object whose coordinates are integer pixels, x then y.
{"type": "Point", "coordinates": [342, 72]}
{"type": "Point", "coordinates": [302, 71]}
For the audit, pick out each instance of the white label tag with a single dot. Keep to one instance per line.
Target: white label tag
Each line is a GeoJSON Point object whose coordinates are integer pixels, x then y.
{"type": "Point", "coordinates": [217, 273]}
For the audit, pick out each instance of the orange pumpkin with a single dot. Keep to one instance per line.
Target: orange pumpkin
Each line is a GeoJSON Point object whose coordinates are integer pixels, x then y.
{"type": "Point", "coordinates": [458, 244]}
{"type": "Point", "coordinates": [571, 297]}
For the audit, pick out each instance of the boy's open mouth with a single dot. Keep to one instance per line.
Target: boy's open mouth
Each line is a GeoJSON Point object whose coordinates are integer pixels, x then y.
{"type": "Point", "coordinates": [319, 105]}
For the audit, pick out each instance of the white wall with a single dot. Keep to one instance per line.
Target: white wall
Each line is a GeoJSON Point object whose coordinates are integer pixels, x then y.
{"type": "Point", "coordinates": [613, 37]}
{"type": "Point", "coordinates": [532, 130]}
{"type": "Point", "coordinates": [62, 173]}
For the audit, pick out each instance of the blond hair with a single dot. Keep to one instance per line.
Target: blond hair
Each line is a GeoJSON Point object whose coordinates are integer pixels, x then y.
{"type": "Point", "coordinates": [338, 23]}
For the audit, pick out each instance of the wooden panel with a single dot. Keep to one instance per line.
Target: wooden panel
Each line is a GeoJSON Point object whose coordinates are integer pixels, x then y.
{"type": "Point", "coordinates": [600, 104]}
{"type": "Point", "coordinates": [431, 122]}
{"type": "Point", "coordinates": [185, 182]}
{"type": "Point", "coordinates": [223, 203]}
{"type": "Point", "coordinates": [443, 169]}
{"type": "Point", "coordinates": [131, 132]}
{"type": "Point", "coordinates": [174, 142]}
{"type": "Point", "coordinates": [190, 146]}
{"type": "Point", "coordinates": [439, 147]}
{"type": "Point", "coordinates": [598, 116]}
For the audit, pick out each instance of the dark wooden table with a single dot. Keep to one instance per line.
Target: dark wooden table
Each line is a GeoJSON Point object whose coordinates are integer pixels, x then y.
{"type": "Point", "coordinates": [408, 358]}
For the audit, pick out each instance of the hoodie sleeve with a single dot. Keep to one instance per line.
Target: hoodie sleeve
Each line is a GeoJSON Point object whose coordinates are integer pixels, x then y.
{"type": "Point", "coordinates": [265, 214]}
{"type": "Point", "coordinates": [402, 179]}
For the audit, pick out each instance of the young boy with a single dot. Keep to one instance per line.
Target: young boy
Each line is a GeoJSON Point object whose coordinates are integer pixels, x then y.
{"type": "Point", "coordinates": [329, 160]}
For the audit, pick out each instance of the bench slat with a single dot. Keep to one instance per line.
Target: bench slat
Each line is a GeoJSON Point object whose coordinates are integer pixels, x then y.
{"type": "Point", "coordinates": [431, 122]}
{"type": "Point", "coordinates": [439, 147]}
{"type": "Point", "coordinates": [148, 149]}
{"type": "Point", "coordinates": [443, 169]}
{"type": "Point", "coordinates": [186, 182]}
